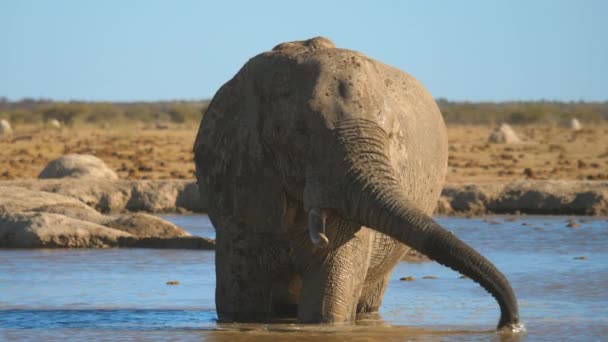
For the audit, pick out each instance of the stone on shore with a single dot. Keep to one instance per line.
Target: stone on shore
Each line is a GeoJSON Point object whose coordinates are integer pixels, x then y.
{"type": "Point", "coordinates": [40, 219]}
{"type": "Point", "coordinates": [529, 197]}
{"type": "Point", "coordinates": [182, 242]}
{"type": "Point", "coordinates": [164, 196]}
{"type": "Point", "coordinates": [146, 226]}
{"type": "Point", "coordinates": [15, 199]}
{"type": "Point", "coordinates": [47, 230]}
{"type": "Point", "coordinates": [81, 166]}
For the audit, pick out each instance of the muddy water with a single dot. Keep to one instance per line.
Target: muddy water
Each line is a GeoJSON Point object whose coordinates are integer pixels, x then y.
{"type": "Point", "coordinates": [560, 275]}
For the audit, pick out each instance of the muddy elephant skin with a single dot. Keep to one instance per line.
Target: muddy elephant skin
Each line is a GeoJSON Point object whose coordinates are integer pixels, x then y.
{"type": "Point", "coordinates": [321, 167]}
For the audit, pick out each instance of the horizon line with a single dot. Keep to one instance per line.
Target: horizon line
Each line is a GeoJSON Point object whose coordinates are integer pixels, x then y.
{"type": "Point", "coordinates": [6, 99]}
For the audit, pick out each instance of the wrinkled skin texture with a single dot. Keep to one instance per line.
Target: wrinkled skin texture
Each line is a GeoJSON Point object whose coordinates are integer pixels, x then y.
{"type": "Point", "coordinates": [322, 166]}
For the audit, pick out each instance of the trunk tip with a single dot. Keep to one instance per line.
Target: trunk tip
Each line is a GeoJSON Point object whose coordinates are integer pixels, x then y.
{"type": "Point", "coordinates": [512, 327]}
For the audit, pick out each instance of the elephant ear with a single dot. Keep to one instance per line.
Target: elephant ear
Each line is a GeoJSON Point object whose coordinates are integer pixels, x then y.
{"type": "Point", "coordinates": [244, 191]}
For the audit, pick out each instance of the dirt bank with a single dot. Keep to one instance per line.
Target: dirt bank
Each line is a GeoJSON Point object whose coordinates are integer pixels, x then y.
{"type": "Point", "coordinates": [31, 218]}
{"type": "Point", "coordinates": [160, 196]}
{"type": "Point", "coordinates": [544, 197]}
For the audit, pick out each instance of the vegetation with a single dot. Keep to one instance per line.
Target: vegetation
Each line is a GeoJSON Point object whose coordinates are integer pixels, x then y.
{"type": "Point", "coordinates": [520, 113]}
{"type": "Point", "coordinates": [30, 111]}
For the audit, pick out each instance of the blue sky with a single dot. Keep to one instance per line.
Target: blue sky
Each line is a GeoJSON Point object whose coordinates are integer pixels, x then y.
{"type": "Point", "coordinates": [121, 50]}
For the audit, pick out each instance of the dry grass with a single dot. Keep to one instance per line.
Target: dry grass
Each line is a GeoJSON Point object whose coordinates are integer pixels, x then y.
{"type": "Point", "coordinates": [144, 152]}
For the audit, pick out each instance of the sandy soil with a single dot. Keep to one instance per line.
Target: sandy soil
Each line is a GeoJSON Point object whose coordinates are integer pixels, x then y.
{"type": "Point", "coordinates": [140, 152]}
{"type": "Point", "coordinates": [136, 152]}
{"type": "Point", "coordinates": [548, 152]}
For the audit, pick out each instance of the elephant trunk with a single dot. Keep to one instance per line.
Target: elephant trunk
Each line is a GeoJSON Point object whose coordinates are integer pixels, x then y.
{"type": "Point", "coordinates": [397, 218]}
{"type": "Point", "coordinates": [375, 200]}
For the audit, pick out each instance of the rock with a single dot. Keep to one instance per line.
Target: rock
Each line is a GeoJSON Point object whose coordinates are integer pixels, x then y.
{"type": "Point", "coordinates": [39, 219]}
{"type": "Point", "coordinates": [103, 195]}
{"type": "Point", "coordinates": [529, 173]}
{"type": "Point", "coordinates": [590, 202]}
{"type": "Point", "coordinates": [17, 199]}
{"type": "Point", "coordinates": [47, 230]}
{"type": "Point", "coordinates": [173, 282]}
{"type": "Point", "coordinates": [54, 124]}
{"type": "Point", "coordinates": [429, 277]}
{"type": "Point", "coordinates": [192, 198]}
{"type": "Point", "coordinates": [572, 224]}
{"type": "Point", "coordinates": [504, 134]}
{"type": "Point", "coordinates": [471, 198]}
{"type": "Point", "coordinates": [518, 196]}
{"type": "Point", "coordinates": [552, 198]}
{"type": "Point", "coordinates": [444, 207]}
{"type": "Point", "coordinates": [542, 197]}
{"type": "Point", "coordinates": [125, 195]}
{"type": "Point", "coordinates": [145, 225]}
{"type": "Point", "coordinates": [574, 124]}
{"type": "Point", "coordinates": [152, 197]}
{"type": "Point", "coordinates": [408, 278]}
{"type": "Point", "coordinates": [5, 128]}
{"type": "Point", "coordinates": [184, 242]}
{"type": "Point", "coordinates": [77, 211]}
{"type": "Point", "coordinates": [78, 166]}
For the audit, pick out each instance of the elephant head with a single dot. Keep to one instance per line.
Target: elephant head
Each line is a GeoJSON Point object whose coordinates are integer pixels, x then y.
{"type": "Point", "coordinates": [325, 134]}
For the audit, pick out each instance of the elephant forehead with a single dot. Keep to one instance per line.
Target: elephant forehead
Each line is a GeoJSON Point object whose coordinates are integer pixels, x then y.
{"type": "Point", "coordinates": [327, 87]}
{"type": "Point", "coordinates": [352, 87]}
{"type": "Point", "coordinates": [314, 78]}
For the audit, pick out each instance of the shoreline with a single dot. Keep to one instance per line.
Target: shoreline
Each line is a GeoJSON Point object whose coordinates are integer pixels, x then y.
{"type": "Point", "coordinates": [530, 197]}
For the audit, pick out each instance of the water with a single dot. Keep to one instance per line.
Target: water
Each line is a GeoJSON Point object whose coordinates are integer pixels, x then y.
{"type": "Point", "coordinates": [121, 294]}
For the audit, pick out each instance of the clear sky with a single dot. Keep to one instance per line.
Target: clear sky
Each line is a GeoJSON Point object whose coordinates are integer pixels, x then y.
{"type": "Point", "coordinates": [127, 50]}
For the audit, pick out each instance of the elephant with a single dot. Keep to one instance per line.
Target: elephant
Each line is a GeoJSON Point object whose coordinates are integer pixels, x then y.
{"type": "Point", "coordinates": [321, 167]}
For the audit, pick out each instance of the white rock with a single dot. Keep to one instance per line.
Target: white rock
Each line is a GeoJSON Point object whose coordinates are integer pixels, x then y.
{"type": "Point", "coordinates": [54, 123]}
{"type": "Point", "coordinates": [78, 166]}
{"type": "Point", "coordinates": [5, 128]}
{"type": "Point", "coordinates": [504, 134]}
{"type": "Point", "coordinates": [574, 124]}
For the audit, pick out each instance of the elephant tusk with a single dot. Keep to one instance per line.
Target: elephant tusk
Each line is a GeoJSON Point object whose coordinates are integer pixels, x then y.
{"type": "Point", "coordinates": [316, 227]}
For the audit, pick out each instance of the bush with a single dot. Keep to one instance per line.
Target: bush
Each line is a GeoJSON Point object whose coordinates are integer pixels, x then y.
{"type": "Point", "coordinates": [184, 113]}
{"type": "Point", "coordinates": [101, 113]}
{"type": "Point", "coordinates": [521, 112]}
{"type": "Point", "coordinates": [65, 113]}
{"type": "Point", "coordinates": [139, 113]}
{"type": "Point", "coordinates": [30, 111]}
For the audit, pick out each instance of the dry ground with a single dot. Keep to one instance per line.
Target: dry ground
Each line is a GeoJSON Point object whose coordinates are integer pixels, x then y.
{"type": "Point", "coordinates": [139, 152]}
{"type": "Point", "coordinates": [548, 152]}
